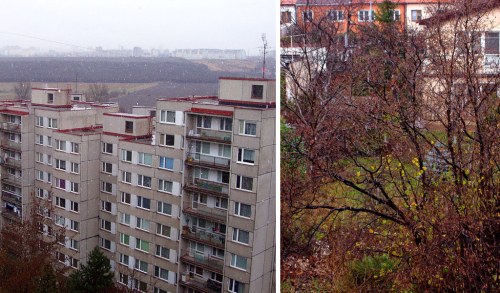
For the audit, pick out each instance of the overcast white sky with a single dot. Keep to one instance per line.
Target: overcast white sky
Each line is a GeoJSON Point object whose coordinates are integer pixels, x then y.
{"type": "Point", "coordinates": [170, 24]}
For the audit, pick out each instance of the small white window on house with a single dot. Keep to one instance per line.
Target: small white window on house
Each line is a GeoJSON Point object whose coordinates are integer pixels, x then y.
{"type": "Point", "coordinates": [125, 198]}
{"type": "Point", "coordinates": [308, 15]}
{"type": "Point", "coordinates": [106, 206]}
{"type": "Point", "coordinates": [416, 15]}
{"type": "Point", "coordinates": [126, 177]}
{"type": "Point", "coordinates": [164, 185]}
{"type": "Point", "coordinates": [52, 123]}
{"type": "Point", "coordinates": [244, 183]}
{"type": "Point", "coordinates": [163, 230]}
{"type": "Point", "coordinates": [238, 261]}
{"type": "Point", "coordinates": [204, 121]}
{"type": "Point", "coordinates": [246, 156]}
{"type": "Point", "coordinates": [242, 210]}
{"type": "Point", "coordinates": [126, 156]}
{"type": "Point", "coordinates": [145, 159]}
{"type": "Point", "coordinates": [143, 202]}
{"type": "Point", "coordinates": [144, 181]}
{"type": "Point", "coordinates": [125, 219]}
{"type": "Point", "coordinates": [60, 145]}
{"type": "Point", "coordinates": [248, 127]}
{"type": "Point", "coordinates": [492, 43]}
{"type": "Point", "coordinates": [75, 168]}
{"type": "Point", "coordinates": [107, 148]}
{"type": "Point", "coordinates": [167, 139]}
{"type": "Point", "coordinates": [39, 121]}
{"type": "Point", "coordinates": [107, 168]}
{"type": "Point", "coordinates": [397, 15]}
{"type": "Point", "coordinates": [335, 15]}
{"type": "Point", "coordinates": [75, 187]}
{"type": "Point", "coordinates": [241, 236]}
{"type": "Point", "coordinates": [226, 124]}
{"type": "Point", "coordinates": [75, 148]}
{"type": "Point", "coordinates": [74, 207]}
{"type": "Point", "coordinates": [366, 15]}
{"type": "Point", "coordinates": [74, 225]}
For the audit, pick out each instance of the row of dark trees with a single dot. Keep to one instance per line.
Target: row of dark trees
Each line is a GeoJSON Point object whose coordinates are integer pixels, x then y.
{"type": "Point", "coordinates": [391, 152]}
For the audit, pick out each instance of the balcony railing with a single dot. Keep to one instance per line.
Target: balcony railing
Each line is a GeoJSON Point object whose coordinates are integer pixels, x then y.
{"type": "Point", "coordinates": [205, 261]}
{"type": "Point", "coordinates": [12, 180]}
{"type": "Point", "coordinates": [208, 161]}
{"type": "Point", "coordinates": [10, 162]}
{"type": "Point", "coordinates": [12, 197]}
{"type": "Point", "coordinates": [211, 214]}
{"type": "Point", "coordinates": [16, 216]}
{"type": "Point", "coordinates": [11, 145]}
{"type": "Point", "coordinates": [197, 234]}
{"type": "Point", "coordinates": [208, 286]}
{"type": "Point", "coordinates": [210, 135]}
{"type": "Point", "coordinates": [10, 127]}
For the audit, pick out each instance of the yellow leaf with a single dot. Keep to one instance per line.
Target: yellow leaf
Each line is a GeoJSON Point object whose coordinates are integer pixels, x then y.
{"type": "Point", "coordinates": [371, 230]}
{"type": "Point", "coordinates": [358, 173]}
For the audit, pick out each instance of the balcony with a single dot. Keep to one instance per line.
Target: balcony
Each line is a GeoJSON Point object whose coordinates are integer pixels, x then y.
{"type": "Point", "coordinates": [210, 135]}
{"type": "Point", "coordinates": [207, 187]}
{"type": "Point", "coordinates": [202, 236]}
{"type": "Point", "coordinates": [10, 145]}
{"type": "Point", "coordinates": [10, 127]}
{"type": "Point", "coordinates": [199, 259]}
{"type": "Point", "coordinates": [208, 286]}
{"type": "Point", "coordinates": [208, 161]}
{"type": "Point", "coordinates": [10, 214]}
{"type": "Point", "coordinates": [11, 197]}
{"type": "Point", "coordinates": [201, 211]}
{"type": "Point", "coordinates": [12, 180]}
{"type": "Point", "coordinates": [11, 163]}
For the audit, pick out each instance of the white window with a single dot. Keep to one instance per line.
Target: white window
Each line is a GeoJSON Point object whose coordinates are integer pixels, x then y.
{"type": "Point", "coordinates": [226, 124]}
{"type": "Point", "coordinates": [60, 202]}
{"type": "Point", "coordinates": [106, 244]}
{"type": "Point", "coordinates": [221, 203]}
{"type": "Point", "coordinates": [125, 219]}
{"type": "Point", "coordinates": [141, 265]}
{"type": "Point", "coordinates": [126, 177]}
{"type": "Point", "coordinates": [166, 163]}
{"type": "Point", "coordinates": [124, 259]}
{"type": "Point", "coordinates": [52, 123]}
{"type": "Point", "coordinates": [49, 141]}
{"type": "Point", "coordinates": [203, 147]}
{"type": "Point", "coordinates": [60, 220]}
{"type": "Point", "coordinates": [143, 202]}
{"type": "Point", "coordinates": [241, 236]}
{"type": "Point", "coordinates": [223, 177]}
{"type": "Point", "coordinates": [49, 160]}
{"type": "Point", "coordinates": [74, 187]}
{"type": "Point", "coordinates": [225, 151]}
{"type": "Point", "coordinates": [60, 183]}
{"type": "Point", "coordinates": [164, 185]}
{"type": "Point", "coordinates": [107, 168]}
{"type": "Point", "coordinates": [74, 225]}
{"type": "Point", "coordinates": [161, 273]}
{"type": "Point", "coordinates": [107, 187]}
{"type": "Point", "coordinates": [75, 168]}
{"type": "Point", "coordinates": [126, 156]}
{"type": "Point", "coordinates": [167, 116]}
{"type": "Point", "coordinates": [106, 206]}
{"type": "Point", "coordinates": [142, 224]}
{"type": "Point", "coordinates": [164, 208]}
{"type": "Point", "coordinates": [248, 127]}
{"type": "Point", "coordinates": [167, 139]}
{"type": "Point", "coordinates": [39, 121]}
{"type": "Point", "coordinates": [416, 15]}
{"type": "Point", "coordinates": [204, 121]}
{"type": "Point", "coordinates": [162, 252]}
{"type": "Point", "coordinates": [60, 145]}
{"type": "Point", "coordinates": [61, 257]}
{"type": "Point", "coordinates": [201, 173]}
{"type": "Point", "coordinates": [74, 206]}
{"type": "Point", "coordinates": [366, 15]}
{"type": "Point", "coordinates": [236, 287]}
{"type": "Point", "coordinates": [397, 15]}
{"type": "Point", "coordinates": [125, 198]}
{"type": "Point", "coordinates": [144, 181]}
{"type": "Point", "coordinates": [244, 183]}
{"type": "Point", "coordinates": [124, 239]}
{"type": "Point", "coordinates": [60, 164]}
{"type": "Point", "coordinates": [246, 156]}
{"type": "Point", "coordinates": [75, 147]}
{"type": "Point", "coordinates": [39, 175]}
{"type": "Point", "coordinates": [242, 210]}
{"type": "Point", "coordinates": [123, 279]}
{"type": "Point", "coordinates": [139, 285]}
{"type": "Point", "coordinates": [74, 244]}
{"type": "Point", "coordinates": [39, 157]}
{"type": "Point", "coordinates": [163, 230]}
{"type": "Point", "coordinates": [308, 15]}
{"type": "Point", "coordinates": [335, 15]}
{"type": "Point", "coordinates": [49, 177]}
{"type": "Point", "coordinates": [38, 139]}
{"type": "Point", "coordinates": [107, 148]}
{"type": "Point", "coordinates": [105, 225]}
{"type": "Point", "coordinates": [74, 262]}
{"type": "Point", "coordinates": [141, 245]}
{"type": "Point", "coordinates": [39, 192]}
{"type": "Point", "coordinates": [145, 159]}
{"type": "Point", "coordinates": [238, 261]}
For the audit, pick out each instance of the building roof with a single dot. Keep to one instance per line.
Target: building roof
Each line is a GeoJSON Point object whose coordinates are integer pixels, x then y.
{"type": "Point", "coordinates": [455, 12]}
{"type": "Point", "coordinates": [374, 2]}
{"type": "Point", "coordinates": [288, 2]}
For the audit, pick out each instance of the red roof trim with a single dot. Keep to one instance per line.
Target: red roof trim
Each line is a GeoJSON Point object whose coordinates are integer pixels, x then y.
{"type": "Point", "coordinates": [126, 136]}
{"type": "Point", "coordinates": [252, 79]}
{"type": "Point", "coordinates": [247, 102]}
{"type": "Point", "coordinates": [188, 99]}
{"type": "Point", "coordinates": [126, 115]}
{"type": "Point", "coordinates": [51, 106]}
{"type": "Point", "coordinates": [80, 129]}
{"type": "Point", "coordinates": [212, 111]}
{"type": "Point", "coordinates": [14, 112]}
{"type": "Point", "coordinates": [51, 89]}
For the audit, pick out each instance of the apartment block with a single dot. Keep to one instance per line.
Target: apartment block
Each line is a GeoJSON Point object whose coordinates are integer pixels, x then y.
{"type": "Point", "coordinates": [180, 197]}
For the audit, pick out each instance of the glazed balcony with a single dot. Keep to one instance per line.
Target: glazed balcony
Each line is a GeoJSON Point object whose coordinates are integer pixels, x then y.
{"type": "Point", "coordinates": [202, 236]}
{"type": "Point", "coordinates": [210, 135]}
{"type": "Point", "coordinates": [208, 286]}
{"type": "Point", "coordinates": [207, 262]}
{"type": "Point", "coordinates": [202, 211]}
{"type": "Point", "coordinates": [10, 127]}
{"type": "Point", "coordinates": [202, 160]}
{"type": "Point", "coordinates": [11, 145]}
{"type": "Point", "coordinates": [10, 214]}
{"type": "Point", "coordinates": [12, 180]}
{"type": "Point", "coordinates": [11, 163]}
{"type": "Point", "coordinates": [11, 197]}
{"type": "Point", "coordinates": [207, 187]}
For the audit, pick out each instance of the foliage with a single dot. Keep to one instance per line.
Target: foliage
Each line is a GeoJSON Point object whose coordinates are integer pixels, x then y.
{"type": "Point", "coordinates": [48, 281]}
{"type": "Point", "coordinates": [385, 12]}
{"type": "Point", "coordinates": [22, 90]}
{"type": "Point", "coordinates": [94, 277]}
{"type": "Point", "coordinates": [98, 92]}
{"type": "Point", "coordinates": [371, 273]}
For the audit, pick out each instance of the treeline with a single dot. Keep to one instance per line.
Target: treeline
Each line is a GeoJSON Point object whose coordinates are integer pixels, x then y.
{"type": "Point", "coordinates": [127, 70]}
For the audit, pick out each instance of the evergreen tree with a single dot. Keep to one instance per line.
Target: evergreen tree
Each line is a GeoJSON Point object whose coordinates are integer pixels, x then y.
{"type": "Point", "coordinates": [385, 13]}
{"type": "Point", "coordinates": [48, 281]}
{"type": "Point", "coordinates": [94, 277]}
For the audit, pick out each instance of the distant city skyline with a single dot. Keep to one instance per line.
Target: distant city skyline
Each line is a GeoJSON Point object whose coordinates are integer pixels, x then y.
{"type": "Point", "coordinates": [196, 24]}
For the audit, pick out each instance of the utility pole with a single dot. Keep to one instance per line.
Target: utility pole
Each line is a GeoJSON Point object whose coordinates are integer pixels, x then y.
{"type": "Point", "coordinates": [264, 40]}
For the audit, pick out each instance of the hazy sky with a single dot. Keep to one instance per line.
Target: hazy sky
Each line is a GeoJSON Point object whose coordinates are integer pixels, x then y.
{"type": "Point", "coordinates": [170, 24]}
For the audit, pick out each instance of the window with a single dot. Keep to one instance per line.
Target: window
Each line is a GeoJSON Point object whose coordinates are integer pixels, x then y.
{"type": "Point", "coordinates": [241, 236]}
{"type": "Point", "coordinates": [105, 225]}
{"type": "Point", "coordinates": [492, 43]}
{"type": "Point", "coordinates": [60, 220]}
{"type": "Point", "coordinates": [167, 116]}
{"type": "Point", "coordinates": [204, 121]}
{"type": "Point", "coordinates": [226, 124]}
{"type": "Point", "coordinates": [60, 202]}
{"type": "Point", "coordinates": [223, 177]}
{"type": "Point", "coordinates": [75, 147]}
{"type": "Point", "coordinates": [142, 224]}
{"type": "Point", "coordinates": [166, 163]}
{"type": "Point", "coordinates": [286, 17]}
{"type": "Point", "coordinates": [366, 15]}
{"type": "Point", "coordinates": [123, 279]}
{"type": "Point", "coordinates": [216, 277]}
{"type": "Point", "coordinates": [74, 262]}
{"type": "Point", "coordinates": [203, 147]}
{"type": "Point", "coordinates": [107, 148]}
{"type": "Point", "coordinates": [49, 160]}
{"type": "Point", "coordinates": [125, 219]}
{"type": "Point", "coordinates": [74, 206]}
{"type": "Point", "coordinates": [39, 192]}
{"type": "Point", "coordinates": [39, 157]}
{"type": "Point", "coordinates": [244, 183]}
{"type": "Point", "coordinates": [416, 15]}
{"type": "Point", "coordinates": [60, 183]}
{"type": "Point", "coordinates": [236, 287]}
{"type": "Point", "coordinates": [139, 285]}
{"type": "Point", "coordinates": [74, 225]}
{"type": "Point", "coordinates": [143, 202]}
{"type": "Point", "coordinates": [141, 265]}
{"type": "Point", "coordinates": [164, 208]}
{"type": "Point", "coordinates": [142, 245]}
{"type": "Point", "coordinates": [167, 139]}
{"type": "Point", "coordinates": [196, 270]}
{"type": "Point", "coordinates": [164, 185]}
{"type": "Point", "coordinates": [200, 198]}
{"type": "Point", "coordinates": [335, 15]}
{"type": "Point", "coordinates": [52, 123]}
{"type": "Point", "coordinates": [126, 177]}
{"type": "Point", "coordinates": [73, 244]}
{"type": "Point", "coordinates": [50, 98]}
{"type": "Point", "coordinates": [127, 156]}
{"type": "Point", "coordinates": [238, 261]}
{"type": "Point", "coordinates": [125, 198]}
{"type": "Point", "coordinates": [161, 273]}
{"type": "Point", "coordinates": [145, 159]}
{"type": "Point", "coordinates": [241, 209]}
{"type": "Point", "coordinates": [75, 168]}
{"type": "Point", "coordinates": [216, 252]}
{"type": "Point", "coordinates": [38, 139]}
{"type": "Point", "coordinates": [129, 126]}
{"type": "Point", "coordinates": [60, 164]}
{"type": "Point", "coordinates": [163, 230]}
{"type": "Point", "coordinates": [221, 203]}
{"type": "Point", "coordinates": [308, 15]}
{"type": "Point", "coordinates": [201, 173]}
{"type": "Point", "coordinates": [39, 121]}
{"type": "Point", "coordinates": [49, 177]}
{"type": "Point", "coordinates": [107, 187]}
{"type": "Point", "coordinates": [124, 239]}
{"type": "Point", "coordinates": [257, 91]}
{"type": "Point", "coordinates": [144, 181]}
{"type": "Point", "coordinates": [124, 259]}
{"type": "Point", "coordinates": [162, 252]}
{"type": "Point", "coordinates": [60, 145]}
{"type": "Point", "coordinates": [248, 128]}
{"type": "Point", "coordinates": [74, 187]}
{"type": "Point", "coordinates": [61, 256]}
{"type": "Point", "coordinates": [106, 206]}
{"type": "Point", "coordinates": [107, 168]}
{"type": "Point", "coordinates": [225, 151]}
{"type": "Point", "coordinates": [397, 15]}
{"type": "Point", "coordinates": [246, 156]}
{"type": "Point", "coordinates": [106, 244]}
{"type": "Point", "coordinates": [59, 238]}
{"type": "Point", "coordinates": [39, 175]}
